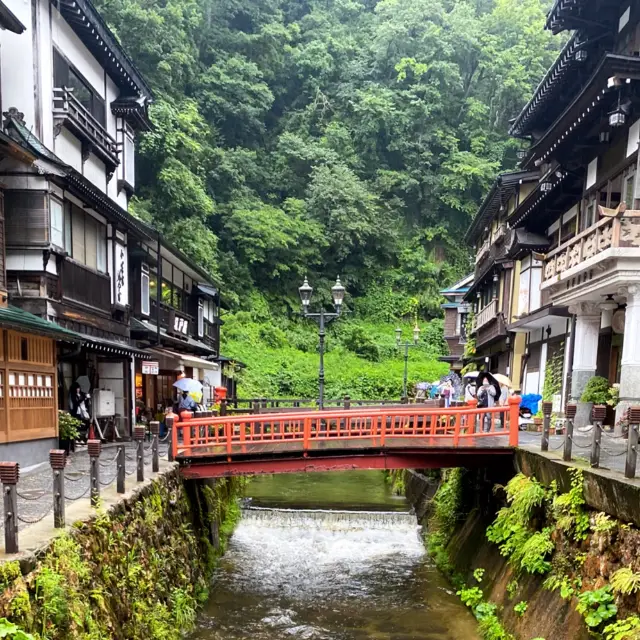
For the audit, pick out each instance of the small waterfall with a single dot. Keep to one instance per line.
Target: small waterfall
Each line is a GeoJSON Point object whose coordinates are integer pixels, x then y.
{"type": "Point", "coordinates": [326, 520]}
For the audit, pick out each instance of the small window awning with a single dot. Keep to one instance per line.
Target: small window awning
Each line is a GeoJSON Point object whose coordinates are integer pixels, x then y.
{"type": "Point", "coordinates": [172, 360]}
{"type": "Point", "coordinates": [207, 289]}
{"type": "Point", "coordinates": [112, 348]}
{"type": "Point", "coordinates": [540, 319]}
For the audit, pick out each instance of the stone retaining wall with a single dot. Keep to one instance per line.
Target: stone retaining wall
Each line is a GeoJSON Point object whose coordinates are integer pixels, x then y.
{"type": "Point", "coordinates": [136, 571]}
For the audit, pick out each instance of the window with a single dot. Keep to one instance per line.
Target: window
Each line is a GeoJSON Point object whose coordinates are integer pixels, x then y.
{"type": "Point", "coordinates": [57, 222]}
{"type": "Point", "coordinates": [67, 226]}
{"type": "Point", "coordinates": [629, 190]}
{"type": "Point", "coordinates": [144, 293]}
{"type": "Point", "coordinates": [91, 242]}
{"type": "Point", "coordinates": [65, 76]}
{"type": "Point", "coordinates": [129, 157]}
{"type": "Point", "coordinates": [153, 286]}
{"type": "Point", "coordinates": [200, 318]}
{"type": "Point", "coordinates": [77, 234]}
{"type": "Point", "coordinates": [589, 217]}
{"type": "Point", "coordinates": [88, 241]}
{"type": "Point", "coordinates": [569, 229]}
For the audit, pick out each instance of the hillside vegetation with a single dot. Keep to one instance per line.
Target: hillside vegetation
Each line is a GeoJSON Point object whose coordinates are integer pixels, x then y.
{"type": "Point", "coordinates": [328, 137]}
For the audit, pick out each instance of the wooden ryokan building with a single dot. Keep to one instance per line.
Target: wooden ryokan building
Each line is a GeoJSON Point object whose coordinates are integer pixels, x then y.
{"type": "Point", "coordinates": [560, 238]}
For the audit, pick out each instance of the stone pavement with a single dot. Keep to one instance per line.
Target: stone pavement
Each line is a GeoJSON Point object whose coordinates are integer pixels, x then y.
{"type": "Point", "coordinates": [35, 488]}
{"type": "Point", "coordinates": [613, 449]}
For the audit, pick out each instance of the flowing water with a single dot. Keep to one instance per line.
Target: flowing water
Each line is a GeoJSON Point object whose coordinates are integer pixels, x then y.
{"type": "Point", "coordinates": [329, 557]}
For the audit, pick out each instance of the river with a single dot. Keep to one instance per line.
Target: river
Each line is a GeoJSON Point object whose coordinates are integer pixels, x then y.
{"type": "Point", "coordinates": [329, 557]}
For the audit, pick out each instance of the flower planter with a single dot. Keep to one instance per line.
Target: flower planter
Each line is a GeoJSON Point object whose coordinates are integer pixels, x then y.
{"type": "Point", "coordinates": [538, 424]}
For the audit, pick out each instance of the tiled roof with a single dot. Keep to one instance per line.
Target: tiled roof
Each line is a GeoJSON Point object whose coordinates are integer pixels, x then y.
{"type": "Point", "coordinates": [15, 318]}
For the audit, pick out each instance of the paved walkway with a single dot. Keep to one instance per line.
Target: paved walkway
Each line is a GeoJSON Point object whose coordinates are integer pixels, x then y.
{"type": "Point", "coordinates": [613, 449]}
{"type": "Point", "coordinates": [35, 488]}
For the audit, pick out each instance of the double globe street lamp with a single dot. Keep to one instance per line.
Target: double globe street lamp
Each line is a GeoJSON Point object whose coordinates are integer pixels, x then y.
{"type": "Point", "coordinates": [407, 345]}
{"type": "Point", "coordinates": [322, 318]}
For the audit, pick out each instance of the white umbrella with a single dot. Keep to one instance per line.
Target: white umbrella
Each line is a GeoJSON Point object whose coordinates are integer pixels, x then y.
{"type": "Point", "coordinates": [471, 374]}
{"type": "Point", "coordinates": [503, 380]}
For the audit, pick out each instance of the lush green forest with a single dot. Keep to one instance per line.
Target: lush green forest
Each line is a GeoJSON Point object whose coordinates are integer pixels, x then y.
{"type": "Point", "coordinates": [327, 137]}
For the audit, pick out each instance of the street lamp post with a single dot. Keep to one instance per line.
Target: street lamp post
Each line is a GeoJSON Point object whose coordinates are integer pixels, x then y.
{"type": "Point", "coordinates": [322, 318]}
{"type": "Point", "coordinates": [406, 345]}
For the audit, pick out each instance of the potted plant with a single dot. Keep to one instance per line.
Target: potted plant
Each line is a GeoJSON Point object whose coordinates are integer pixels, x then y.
{"type": "Point", "coordinates": [68, 431]}
{"type": "Point", "coordinates": [538, 420]}
{"type": "Point", "coordinates": [596, 392]}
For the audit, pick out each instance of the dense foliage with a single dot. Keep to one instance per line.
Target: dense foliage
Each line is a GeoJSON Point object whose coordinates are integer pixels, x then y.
{"type": "Point", "coordinates": [361, 360]}
{"type": "Point", "coordinates": [350, 137]}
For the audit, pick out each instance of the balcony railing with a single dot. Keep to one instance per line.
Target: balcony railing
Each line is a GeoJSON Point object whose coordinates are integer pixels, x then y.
{"type": "Point", "coordinates": [174, 321]}
{"type": "Point", "coordinates": [484, 251]}
{"type": "Point", "coordinates": [487, 314]}
{"type": "Point", "coordinates": [68, 110]}
{"type": "Point", "coordinates": [601, 236]}
{"type": "Point", "coordinates": [86, 286]}
{"type": "Point", "coordinates": [500, 233]}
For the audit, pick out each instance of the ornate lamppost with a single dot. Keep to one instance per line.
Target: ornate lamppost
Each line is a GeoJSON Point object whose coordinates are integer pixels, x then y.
{"type": "Point", "coordinates": [322, 318]}
{"type": "Point", "coordinates": [407, 345]}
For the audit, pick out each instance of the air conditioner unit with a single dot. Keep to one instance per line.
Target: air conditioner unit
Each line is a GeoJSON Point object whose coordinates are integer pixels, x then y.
{"type": "Point", "coordinates": [104, 403]}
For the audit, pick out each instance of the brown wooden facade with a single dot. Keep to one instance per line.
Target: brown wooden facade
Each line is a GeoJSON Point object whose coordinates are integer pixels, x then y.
{"type": "Point", "coordinates": [28, 387]}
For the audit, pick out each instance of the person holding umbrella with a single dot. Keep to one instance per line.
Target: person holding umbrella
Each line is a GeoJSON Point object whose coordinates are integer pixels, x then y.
{"type": "Point", "coordinates": [187, 387]}
{"type": "Point", "coordinates": [488, 391]}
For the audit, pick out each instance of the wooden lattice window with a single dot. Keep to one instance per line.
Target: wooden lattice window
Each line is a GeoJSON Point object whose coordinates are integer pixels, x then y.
{"type": "Point", "coordinates": [30, 385]}
{"type": "Point", "coordinates": [28, 348]}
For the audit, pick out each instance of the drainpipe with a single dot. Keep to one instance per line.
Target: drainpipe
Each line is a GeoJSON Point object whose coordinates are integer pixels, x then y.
{"type": "Point", "coordinates": [158, 290]}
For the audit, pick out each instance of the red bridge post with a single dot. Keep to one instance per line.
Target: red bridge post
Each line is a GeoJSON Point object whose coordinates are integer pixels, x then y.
{"type": "Point", "coordinates": [514, 415]}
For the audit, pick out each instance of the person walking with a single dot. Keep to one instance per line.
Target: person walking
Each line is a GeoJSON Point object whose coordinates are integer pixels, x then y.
{"type": "Point", "coordinates": [487, 394]}
{"type": "Point", "coordinates": [187, 403]}
{"type": "Point", "coordinates": [470, 391]}
{"type": "Point", "coordinates": [78, 408]}
{"type": "Point", "coordinates": [447, 392]}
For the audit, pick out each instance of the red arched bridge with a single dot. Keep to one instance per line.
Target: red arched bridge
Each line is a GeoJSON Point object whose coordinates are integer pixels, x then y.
{"type": "Point", "coordinates": [386, 437]}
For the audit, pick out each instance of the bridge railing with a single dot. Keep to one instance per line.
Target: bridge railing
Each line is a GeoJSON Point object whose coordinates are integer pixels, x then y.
{"type": "Point", "coordinates": [376, 427]}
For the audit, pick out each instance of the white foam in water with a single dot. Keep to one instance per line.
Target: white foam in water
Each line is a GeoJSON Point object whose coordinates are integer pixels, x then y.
{"type": "Point", "coordinates": [305, 554]}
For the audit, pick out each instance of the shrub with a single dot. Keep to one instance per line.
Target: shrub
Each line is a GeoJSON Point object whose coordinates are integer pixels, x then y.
{"type": "Point", "coordinates": [596, 391]}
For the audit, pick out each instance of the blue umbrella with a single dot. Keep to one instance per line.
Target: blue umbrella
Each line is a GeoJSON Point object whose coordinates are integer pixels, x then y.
{"type": "Point", "coordinates": [189, 385]}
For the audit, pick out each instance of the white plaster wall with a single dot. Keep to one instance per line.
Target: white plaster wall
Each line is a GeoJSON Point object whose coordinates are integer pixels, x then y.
{"type": "Point", "coordinates": [122, 200]}
{"type": "Point", "coordinates": [23, 260]}
{"type": "Point", "coordinates": [112, 94]}
{"type": "Point", "coordinates": [45, 67]}
{"type": "Point", "coordinates": [95, 171]}
{"type": "Point", "coordinates": [112, 125]}
{"type": "Point", "coordinates": [69, 149]}
{"type": "Point", "coordinates": [110, 259]}
{"type": "Point", "coordinates": [24, 182]}
{"type": "Point", "coordinates": [78, 55]}
{"type": "Point", "coordinates": [16, 64]}
{"type": "Point", "coordinates": [544, 350]}
{"type": "Point", "coordinates": [111, 377]}
{"type": "Point", "coordinates": [531, 382]}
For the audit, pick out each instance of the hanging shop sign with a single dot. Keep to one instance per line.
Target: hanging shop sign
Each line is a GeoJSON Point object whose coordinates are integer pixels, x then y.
{"type": "Point", "coordinates": [150, 368]}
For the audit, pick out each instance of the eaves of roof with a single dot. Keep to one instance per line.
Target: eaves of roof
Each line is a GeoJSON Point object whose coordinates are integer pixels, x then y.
{"type": "Point", "coordinates": [503, 187]}
{"type": "Point", "coordinates": [90, 27]}
{"type": "Point", "coordinates": [9, 21]}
